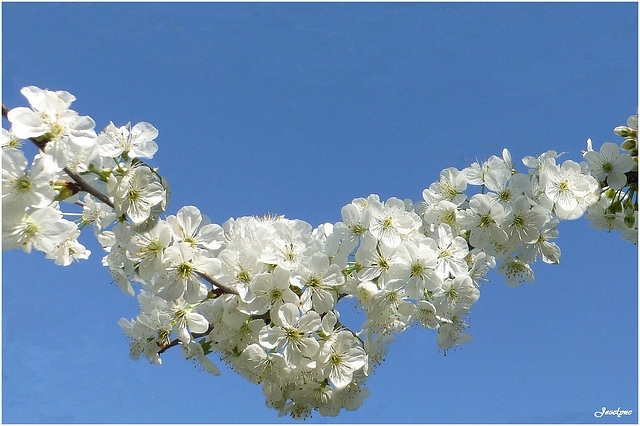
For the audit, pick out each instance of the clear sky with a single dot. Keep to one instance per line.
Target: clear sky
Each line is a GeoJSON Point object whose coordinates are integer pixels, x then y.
{"type": "Point", "coordinates": [296, 109]}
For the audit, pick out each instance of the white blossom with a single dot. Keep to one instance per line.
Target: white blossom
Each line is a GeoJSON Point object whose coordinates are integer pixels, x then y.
{"type": "Point", "coordinates": [292, 333]}
{"type": "Point", "coordinates": [42, 229]}
{"type": "Point", "coordinates": [136, 142]}
{"type": "Point", "coordinates": [137, 193]}
{"type": "Point", "coordinates": [50, 118]}
{"type": "Point", "coordinates": [343, 357]}
{"type": "Point", "coordinates": [610, 165]}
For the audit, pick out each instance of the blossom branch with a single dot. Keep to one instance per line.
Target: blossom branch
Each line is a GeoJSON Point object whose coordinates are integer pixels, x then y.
{"type": "Point", "coordinates": [419, 264]}
{"type": "Point", "coordinates": [82, 184]}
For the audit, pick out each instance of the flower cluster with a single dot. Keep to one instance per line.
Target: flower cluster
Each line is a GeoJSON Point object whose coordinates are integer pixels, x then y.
{"type": "Point", "coordinates": [617, 173]}
{"type": "Point", "coordinates": [72, 160]}
{"type": "Point", "coordinates": [263, 292]}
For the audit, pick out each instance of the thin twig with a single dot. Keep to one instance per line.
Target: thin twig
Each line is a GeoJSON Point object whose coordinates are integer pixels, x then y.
{"type": "Point", "coordinates": [224, 287]}
{"type": "Point", "coordinates": [88, 188]}
{"type": "Point", "coordinates": [176, 342]}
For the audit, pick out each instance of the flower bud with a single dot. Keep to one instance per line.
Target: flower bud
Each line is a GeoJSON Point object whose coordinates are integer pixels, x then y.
{"type": "Point", "coordinates": [629, 220]}
{"type": "Point", "coordinates": [610, 193]}
{"type": "Point", "coordinates": [615, 207]}
{"type": "Point", "coordinates": [66, 189]}
{"type": "Point", "coordinates": [366, 290]}
{"type": "Point", "coordinates": [625, 132]}
{"type": "Point", "coordinates": [629, 144]}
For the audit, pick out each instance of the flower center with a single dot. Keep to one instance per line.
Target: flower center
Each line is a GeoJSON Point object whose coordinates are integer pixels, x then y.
{"type": "Point", "coordinates": [450, 192]}
{"type": "Point", "coordinates": [358, 230]}
{"type": "Point", "coordinates": [275, 294]}
{"type": "Point", "coordinates": [505, 195]}
{"type": "Point", "coordinates": [383, 263]}
{"type": "Point", "coordinates": [289, 254]}
{"type": "Point", "coordinates": [452, 294]}
{"type": "Point", "coordinates": [563, 186]}
{"type": "Point", "coordinates": [293, 335]}
{"type": "Point", "coordinates": [133, 195]}
{"type": "Point", "coordinates": [444, 254]}
{"type": "Point", "coordinates": [164, 337]}
{"type": "Point", "coordinates": [56, 131]}
{"type": "Point", "coordinates": [23, 184]}
{"type": "Point", "coordinates": [31, 230]}
{"type": "Point", "coordinates": [181, 317]}
{"type": "Point", "coordinates": [184, 270]}
{"type": "Point", "coordinates": [244, 277]}
{"type": "Point", "coordinates": [449, 217]}
{"type": "Point", "coordinates": [153, 248]}
{"type": "Point", "coordinates": [313, 282]}
{"type": "Point", "coordinates": [486, 220]}
{"type": "Point", "coordinates": [393, 298]}
{"type": "Point", "coordinates": [335, 359]}
{"type": "Point", "coordinates": [13, 143]}
{"type": "Point", "coordinates": [417, 270]}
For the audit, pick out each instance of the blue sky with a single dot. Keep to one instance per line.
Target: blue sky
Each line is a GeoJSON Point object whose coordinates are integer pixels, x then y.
{"type": "Point", "coordinates": [296, 109]}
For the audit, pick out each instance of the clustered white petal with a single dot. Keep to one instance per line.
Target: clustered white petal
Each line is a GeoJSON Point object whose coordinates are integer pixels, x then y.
{"type": "Point", "coordinates": [263, 292]}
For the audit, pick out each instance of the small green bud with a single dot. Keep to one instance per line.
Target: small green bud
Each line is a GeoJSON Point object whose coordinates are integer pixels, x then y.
{"type": "Point", "coordinates": [610, 193]}
{"type": "Point", "coordinates": [624, 131]}
{"type": "Point", "coordinates": [629, 144]}
{"type": "Point", "coordinates": [629, 220]}
{"type": "Point", "coordinates": [615, 207]}
{"type": "Point", "coordinates": [206, 346]}
{"type": "Point", "coordinates": [65, 189]}
{"type": "Point", "coordinates": [64, 194]}
{"type": "Point", "coordinates": [628, 206]}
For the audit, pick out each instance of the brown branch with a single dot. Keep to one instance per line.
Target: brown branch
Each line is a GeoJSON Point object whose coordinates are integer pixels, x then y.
{"type": "Point", "coordinates": [176, 342]}
{"type": "Point", "coordinates": [88, 188]}
{"type": "Point", "coordinates": [223, 287]}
